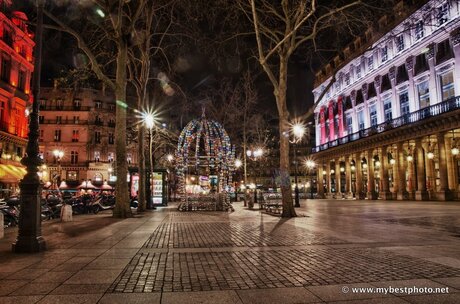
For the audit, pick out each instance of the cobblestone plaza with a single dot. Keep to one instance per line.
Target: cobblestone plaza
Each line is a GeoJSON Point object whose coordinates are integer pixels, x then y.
{"type": "Point", "coordinates": [322, 256]}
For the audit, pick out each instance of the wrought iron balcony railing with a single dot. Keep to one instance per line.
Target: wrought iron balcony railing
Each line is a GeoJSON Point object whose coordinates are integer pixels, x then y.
{"type": "Point", "coordinates": [434, 110]}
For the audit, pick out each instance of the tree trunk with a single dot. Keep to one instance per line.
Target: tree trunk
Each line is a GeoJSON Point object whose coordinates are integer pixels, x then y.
{"type": "Point", "coordinates": [122, 207]}
{"type": "Point", "coordinates": [286, 190]}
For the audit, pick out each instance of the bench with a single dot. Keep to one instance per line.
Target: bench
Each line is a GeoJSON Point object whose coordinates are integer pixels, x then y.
{"type": "Point", "coordinates": [272, 203]}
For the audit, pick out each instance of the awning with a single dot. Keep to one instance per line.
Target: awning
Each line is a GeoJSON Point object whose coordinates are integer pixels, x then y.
{"type": "Point", "coordinates": [11, 174]}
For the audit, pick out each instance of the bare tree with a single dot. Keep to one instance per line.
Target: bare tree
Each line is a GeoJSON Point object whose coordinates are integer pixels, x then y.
{"type": "Point", "coordinates": [106, 42]}
{"type": "Point", "coordinates": [282, 27]}
{"type": "Point", "coordinates": [150, 30]}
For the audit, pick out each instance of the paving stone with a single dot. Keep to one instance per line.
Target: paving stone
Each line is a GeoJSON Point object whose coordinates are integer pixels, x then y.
{"type": "Point", "coordinates": [344, 292]}
{"type": "Point", "coordinates": [67, 289]}
{"type": "Point", "coordinates": [278, 295]}
{"type": "Point", "coordinates": [433, 299]}
{"type": "Point", "coordinates": [135, 298]}
{"type": "Point", "coordinates": [20, 299]}
{"type": "Point", "coordinates": [93, 277]}
{"type": "Point", "coordinates": [203, 297]}
{"type": "Point", "coordinates": [35, 289]}
{"type": "Point", "coordinates": [8, 286]}
{"type": "Point", "coordinates": [71, 299]}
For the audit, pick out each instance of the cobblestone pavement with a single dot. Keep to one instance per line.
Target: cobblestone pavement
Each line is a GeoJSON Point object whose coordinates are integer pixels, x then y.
{"type": "Point", "coordinates": [244, 257]}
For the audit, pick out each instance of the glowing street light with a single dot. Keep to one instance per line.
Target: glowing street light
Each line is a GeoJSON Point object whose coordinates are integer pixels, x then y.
{"type": "Point", "coordinates": [100, 12]}
{"type": "Point", "coordinates": [238, 163]}
{"type": "Point", "coordinates": [298, 130]}
{"type": "Point", "coordinates": [169, 157]}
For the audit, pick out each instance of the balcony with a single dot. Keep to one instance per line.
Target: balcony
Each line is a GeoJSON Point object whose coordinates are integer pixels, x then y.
{"type": "Point", "coordinates": [434, 110]}
{"type": "Point", "coordinates": [63, 122]}
{"type": "Point", "coordinates": [60, 108]}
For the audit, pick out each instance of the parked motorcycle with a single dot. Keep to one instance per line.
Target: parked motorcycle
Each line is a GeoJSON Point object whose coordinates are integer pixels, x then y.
{"type": "Point", "coordinates": [10, 210]}
{"type": "Point", "coordinates": [102, 202]}
{"type": "Point", "coordinates": [81, 204]}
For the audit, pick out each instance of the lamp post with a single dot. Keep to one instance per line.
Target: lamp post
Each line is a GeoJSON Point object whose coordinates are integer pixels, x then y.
{"type": "Point", "coordinates": [58, 154]}
{"type": "Point", "coordinates": [298, 130]}
{"type": "Point", "coordinates": [255, 155]}
{"type": "Point", "coordinates": [29, 231]}
{"type": "Point", "coordinates": [238, 164]}
{"type": "Point", "coordinates": [310, 164]}
{"type": "Point", "coordinates": [149, 121]}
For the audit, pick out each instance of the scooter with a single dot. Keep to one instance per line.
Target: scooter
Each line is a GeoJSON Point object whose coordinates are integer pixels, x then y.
{"type": "Point", "coordinates": [103, 202]}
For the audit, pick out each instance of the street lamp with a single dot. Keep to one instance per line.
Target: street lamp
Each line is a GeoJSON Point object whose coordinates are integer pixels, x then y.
{"type": "Point", "coordinates": [58, 154]}
{"type": "Point", "coordinates": [298, 130]}
{"type": "Point", "coordinates": [149, 122]}
{"type": "Point", "coordinates": [29, 231]}
{"type": "Point", "coordinates": [238, 164]}
{"type": "Point", "coordinates": [254, 155]}
{"type": "Point", "coordinates": [310, 164]}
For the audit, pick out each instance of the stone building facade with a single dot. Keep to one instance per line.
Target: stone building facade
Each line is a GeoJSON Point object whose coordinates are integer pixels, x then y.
{"type": "Point", "coordinates": [389, 126]}
{"type": "Point", "coordinates": [16, 67]}
{"type": "Point", "coordinates": [80, 123]}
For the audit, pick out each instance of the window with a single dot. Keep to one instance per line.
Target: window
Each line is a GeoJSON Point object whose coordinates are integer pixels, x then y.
{"type": "Point", "coordinates": [98, 121]}
{"type": "Point", "coordinates": [384, 53]}
{"type": "Point", "coordinates": [41, 119]}
{"type": "Point", "coordinates": [7, 36]}
{"type": "Point", "coordinates": [58, 119]}
{"type": "Point", "coordinates": [98, 104]}
{"type": "Point", "coordinates": [423, 94]}
{"type": "Point", "coordinates": [77, 104]}
{"type": "Point", "coordinates": [327, 130]}
{"type": "Point", "coordinates": [98, 178]}
{"type": "Point", "coordinates": [57, 135]}
{"type": "Point", "coordinates": [447, 85]}
{"type": "Point", "coordinates": [370, 63]}
{"type": "Point", "coordinates": [404, 103]}
{"type": "Point", "coordinates": [73, 157]}
{"type": "Point", "coordinates": [373, 115]}
{"type": "Point", "coordinates": [129, 158]}
{"type": "Point", "coordinates": [75, 135]}
{"type": "Point", "coordinates": [111, 107]}
{"type": "Point", "coordinates": [387, 109]}
{"type": "Point", "coordinates": [444, 51]}
{"type": "Point", "coordinates": [97, 156]}
{"type": "Point", "coordinates": [72, 175]}
{"type": "Point", "coordinates": [111, 139]}
{"type": "Point", "coordinates": [361, 124]}
{"type": "Point", "coordinates": [349, 123]}
{"type": "Point", "coordinates": [421, 64]}
{"type": "Point", "coordinates": [6, 69]}
{"type": "Point", "coordinates": [110, 156]}
{"type": "Point", "coordinates": [41, 135]}
{"type": "Point", "coordinates": [76, 120]}
{"type": "Point", "coordinates": [442, 13]}
{"type": "Point", "coordinates": [347, 79]}
{"type": "Point", "coordinates": [358, 71]}
{"type": "Point", "coordinates": [59, 104]}
{"type": "Point", "coordinates": [419, 30]}
{"type": "Point", "coordinates": [97, 137]}
{"type": "Point", "coordinates": [22, 80]}
{"type": "Point", "coordinates": [400, 43]}
{"type": "Point", "coordinates": [111, 122]}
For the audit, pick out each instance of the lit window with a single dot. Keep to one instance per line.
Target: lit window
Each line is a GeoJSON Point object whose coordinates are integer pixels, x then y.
{"type": "Point", "coordinates": [347, 79]}
{"type": "Point", "coordinates": [97, 156]}
{"type": "Point", "coordinates": [447, 85]}
{"type": "Point", "coordinates": [75, 135]}
{"type": "Point", "coordinates": [98, 104]}
{"type": "Point", "coordinates": [57, 135]}
{"type": "Point", "coordinates": [404, 103]}
{"type": "Point", "coordinates": [373, 115]}
{"type": "Point", "coordinates": [419, 30]}
{"type": "Point", "coordinates": [110, 156]}
{"type": "Point", "coordinates": [349, 122]}
{"type": "Point", "coordinates": [423, 94]}
{"type": "Point", "coordinates": [129, 158]}
{"type": "Point", "coordinates": [111, 139]}
{"type": "Point", "coordinates": [72, 175]}
{"type": "Point", "coordinates": [387, 109]}
{"type": "Point", "coordinates": [361, 124]}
